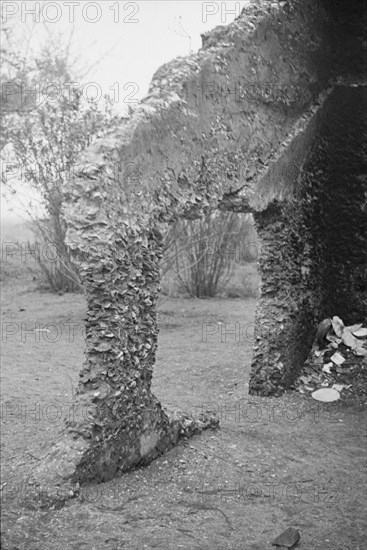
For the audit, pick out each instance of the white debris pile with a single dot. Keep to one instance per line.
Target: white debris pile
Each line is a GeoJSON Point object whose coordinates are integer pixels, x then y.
{"type": "Point", "coordinates": [337, 362]}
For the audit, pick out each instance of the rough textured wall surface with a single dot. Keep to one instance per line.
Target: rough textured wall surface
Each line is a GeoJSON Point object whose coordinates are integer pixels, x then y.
{"type": "Point", "coordinates": [229, 127]}
{"type": "Point", "coordinates": [314, 249]}
{"type": "Point", "coordinates": [337, 174]}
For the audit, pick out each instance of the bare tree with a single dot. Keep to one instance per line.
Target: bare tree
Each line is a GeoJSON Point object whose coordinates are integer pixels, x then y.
{"type": "Point", "coordinates": [202, 253]}
{"type": "Point", "coordinates": [43, 137]}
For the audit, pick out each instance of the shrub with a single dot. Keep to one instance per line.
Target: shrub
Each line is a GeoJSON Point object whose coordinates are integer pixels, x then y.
{"type": "Point", "coordinates": [202, 253]}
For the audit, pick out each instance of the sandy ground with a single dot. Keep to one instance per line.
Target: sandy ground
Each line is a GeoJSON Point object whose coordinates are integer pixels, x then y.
{"type": "Point", "coordinates": [274, 463]}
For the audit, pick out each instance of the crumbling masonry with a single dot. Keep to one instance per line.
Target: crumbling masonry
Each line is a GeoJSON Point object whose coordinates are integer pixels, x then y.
{"type": "Point", "coordinates": [269, 118]}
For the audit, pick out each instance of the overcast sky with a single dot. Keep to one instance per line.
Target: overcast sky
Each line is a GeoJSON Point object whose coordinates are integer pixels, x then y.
{"type": "Point", "coordinates": [123, 43]}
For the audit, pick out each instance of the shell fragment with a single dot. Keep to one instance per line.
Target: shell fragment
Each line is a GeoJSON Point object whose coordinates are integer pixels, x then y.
{"type": "Point", "coordinates": [337, 358]}
{"type": "Point", "coordinates": [327, 395]}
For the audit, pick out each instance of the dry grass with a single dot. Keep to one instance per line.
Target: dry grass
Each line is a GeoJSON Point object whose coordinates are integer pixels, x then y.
{"type": "Point", "coordinates": [275, 462]}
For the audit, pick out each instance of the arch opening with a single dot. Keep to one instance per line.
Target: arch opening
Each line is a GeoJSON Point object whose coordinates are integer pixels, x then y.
{"type": "Point", "coordinates": [205, 345]}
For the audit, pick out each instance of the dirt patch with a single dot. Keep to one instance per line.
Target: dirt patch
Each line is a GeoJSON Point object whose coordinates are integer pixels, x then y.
{"type": "Point", "coordinates": [275, 462]}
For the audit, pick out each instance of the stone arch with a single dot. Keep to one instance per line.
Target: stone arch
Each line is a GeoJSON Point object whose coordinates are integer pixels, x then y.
{"type": "Point", "coordinates": [207, 136]}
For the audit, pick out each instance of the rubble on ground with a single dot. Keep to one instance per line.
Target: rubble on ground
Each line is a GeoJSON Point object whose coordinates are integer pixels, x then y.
{"type": "Point", "coordinates": [337, 361]}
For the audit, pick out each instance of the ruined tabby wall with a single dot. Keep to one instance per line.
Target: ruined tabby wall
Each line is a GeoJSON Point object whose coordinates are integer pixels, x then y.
{"type": "Point", "coordinates": [336, 172]}
{"type": "Point", "coordinates": [233, 127]}
{"type": "Point", "coordinates": [313, 261]}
